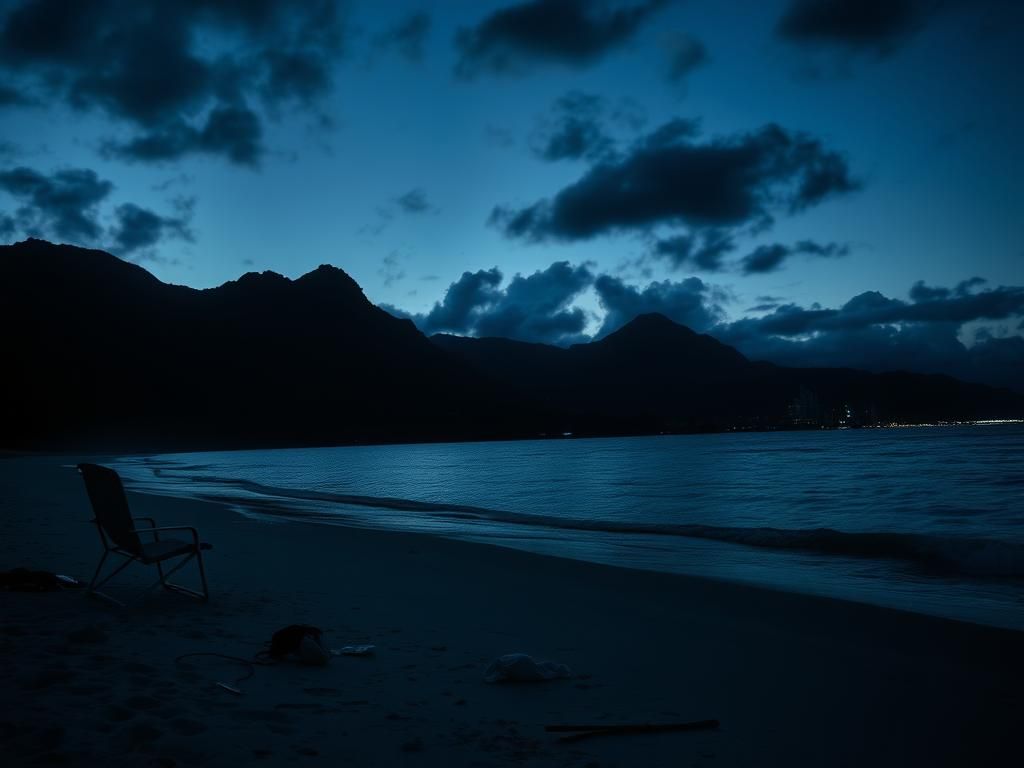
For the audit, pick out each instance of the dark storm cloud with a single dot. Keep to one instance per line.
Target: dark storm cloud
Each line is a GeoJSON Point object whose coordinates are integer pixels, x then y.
{"type": "Point", "coordinates": [532, 308]}
{"type": "Point", "coordinates": [878, 25]}
{"type": "Point", "coordinates": [407, 37]}
{"type": "Point", "coordinates": [138, 229]}
{"type": "Point", "coordinates": [727, 183]}
{"type": "Point", "coordinates": [574, 130]}
{"type": "Point", "coordinates": [571, 32]}
{"type": "Point", "coordinates": [769, 258]}
{"type": "Point", "coordinates": [685, 55]}
{"type": "Point", "coordinates": [66, 205]}
{"type": "Point", "coordinates": [154, 65]}
{"type": "Point", "coordinates": [690, 252]}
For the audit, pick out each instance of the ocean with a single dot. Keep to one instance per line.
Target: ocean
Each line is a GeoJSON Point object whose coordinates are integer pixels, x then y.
{"type": "Point", "coordinates": [925, 519]}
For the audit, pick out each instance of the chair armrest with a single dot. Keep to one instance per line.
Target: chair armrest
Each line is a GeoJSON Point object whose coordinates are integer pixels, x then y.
{"type": "Point", "coordinates": [152, 526]}
{"type": "Point", "coordinates": [193, 531]}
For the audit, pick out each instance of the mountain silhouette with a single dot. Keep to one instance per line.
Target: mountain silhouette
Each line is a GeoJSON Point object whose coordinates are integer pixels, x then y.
{"type": "Point", "coordinates": [653, 375]}
{"type": "Point", "coordinates": [102, 355]}
{"type": "Point", "coordinates": [105, 355]}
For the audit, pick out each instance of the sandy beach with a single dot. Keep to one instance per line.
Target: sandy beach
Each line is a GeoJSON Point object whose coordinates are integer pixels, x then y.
{"type": "Point", "coordinates": [793, 680]}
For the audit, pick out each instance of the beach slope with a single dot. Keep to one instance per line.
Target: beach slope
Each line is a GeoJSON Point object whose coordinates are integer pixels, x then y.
{"type": "Point", "coordinates": [793, 680]}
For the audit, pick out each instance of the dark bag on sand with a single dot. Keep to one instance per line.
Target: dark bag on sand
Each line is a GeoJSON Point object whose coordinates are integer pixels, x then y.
{"type": "Point", "coordinates": [301, 640]}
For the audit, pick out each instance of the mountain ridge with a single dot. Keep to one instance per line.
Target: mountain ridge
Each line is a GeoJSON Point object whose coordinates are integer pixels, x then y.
{"type": "Point", "coordinates": [105, 355]}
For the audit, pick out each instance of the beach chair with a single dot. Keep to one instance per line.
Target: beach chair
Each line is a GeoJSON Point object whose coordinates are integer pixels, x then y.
{"type": "Point", "coordinates": [137, 539]}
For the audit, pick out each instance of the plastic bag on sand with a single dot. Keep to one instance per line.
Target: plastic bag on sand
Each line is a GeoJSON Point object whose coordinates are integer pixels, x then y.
{"type": "Point", "coordinates": [520, 668]}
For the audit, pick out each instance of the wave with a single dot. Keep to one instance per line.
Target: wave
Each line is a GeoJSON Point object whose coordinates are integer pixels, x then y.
{"type": "Point", "coordinates": [950, 555]}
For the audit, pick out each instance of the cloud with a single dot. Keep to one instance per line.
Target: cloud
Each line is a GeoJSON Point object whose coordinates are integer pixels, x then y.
{"type": "Point", "coordinates": [691, 302]}
{"type": "Point", "coordinates": [875, 332]}
{"type": "Point", "coordinates": [14, 97]}
{"type": "Point", "coordinates": [182, 77]}
{"type": "Point", "coordinates": [870, 331]}
{"type": "Point", "coordinates": [407, 37]}
{"type": "Point", "coordinates": [391, 269]}
{"type": "Point", "coordinates": [139, 229]}
{"type": "Point", "coordinates": [567, 32]}
{"type": "Point", "coordinates": [66, 205]}
{"type": "Point", "coordinates": [769, 258]}
{"type": "Point", "coordinates": [457, 312]}
{"type": "Point", "coordinates": [574, 130]}
{"type": "Point", "coordinates": [534, 307]}
{"type": "Point", "coordinates": [685, 54]}
{"type": "Point", "coordinates": [235, 132]}
{"type": "Point", "coordinates": [8, 227]}
{"type": "Point", "coordinates": [703, 253]}
{"type": "Point", "coordinates": [921, 292]}
{"type": "Point", "coordinates": [880, 26]}
{"type": "Point", "coordinates": [668, 179]}
{"type": "Point", "coordinates": [414, 201]}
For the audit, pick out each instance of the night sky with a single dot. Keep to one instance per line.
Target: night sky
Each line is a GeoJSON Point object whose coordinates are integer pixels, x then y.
{"type": "Point", "coordinates": [818, 182]}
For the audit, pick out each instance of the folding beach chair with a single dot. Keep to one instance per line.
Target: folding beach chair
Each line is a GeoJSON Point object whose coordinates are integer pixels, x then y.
{"type": "Point", "coordinates": [120, 535]}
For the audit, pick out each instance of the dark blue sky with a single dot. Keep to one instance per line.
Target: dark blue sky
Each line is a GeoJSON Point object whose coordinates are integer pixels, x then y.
{"type": "Point", "coordinates": [782, 174]}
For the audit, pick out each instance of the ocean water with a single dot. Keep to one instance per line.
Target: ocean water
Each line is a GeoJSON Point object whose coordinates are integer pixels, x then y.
{"type": "Point", "coordinates": [921, 519]}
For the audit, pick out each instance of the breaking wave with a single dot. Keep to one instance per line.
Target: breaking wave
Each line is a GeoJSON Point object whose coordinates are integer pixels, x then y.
{"type": "Point", "coordinates": [949, 555]}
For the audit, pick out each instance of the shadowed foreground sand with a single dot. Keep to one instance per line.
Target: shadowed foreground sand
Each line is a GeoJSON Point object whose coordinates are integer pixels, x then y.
{"type": "Point", "coordinates": [794, 680]}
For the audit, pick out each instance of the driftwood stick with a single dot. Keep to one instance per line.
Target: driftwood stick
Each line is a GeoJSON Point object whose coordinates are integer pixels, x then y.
{"type": "Point", "coordinates": [577, 732]}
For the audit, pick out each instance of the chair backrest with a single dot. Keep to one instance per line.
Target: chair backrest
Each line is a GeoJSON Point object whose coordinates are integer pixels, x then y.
{"type": "Point", "coordinates": [110, 506]}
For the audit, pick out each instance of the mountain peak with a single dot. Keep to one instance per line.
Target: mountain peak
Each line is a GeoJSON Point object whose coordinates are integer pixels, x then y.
{"type": "Point", "coordinates": [652, 320]}
{"type": "Point", "coordinates": [69, 263]}
{"type": "Point", "coordinates": [652, 326]}
{"type": "Point", "coordinates": [329, 277]}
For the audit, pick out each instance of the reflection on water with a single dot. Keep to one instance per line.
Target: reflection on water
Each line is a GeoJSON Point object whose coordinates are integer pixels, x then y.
{"type": "Point", "coordinates": [953, 494]}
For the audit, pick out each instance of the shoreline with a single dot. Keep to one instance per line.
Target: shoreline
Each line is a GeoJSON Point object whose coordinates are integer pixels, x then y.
{"type": "Point", "coordinates": [6, 453]}
{"type": "Point", "coordinates": [961, 575]}
{"type": "Point", "coordinates": [793, 678]}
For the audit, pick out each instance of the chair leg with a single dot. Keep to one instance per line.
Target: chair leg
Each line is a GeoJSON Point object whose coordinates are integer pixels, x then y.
{"type": "Point", "coordinates": [202, 576]}
{"type": "Point", "coordinates": [205, 594]}
{"type": "Point", "coordinates": [92, 584]}
{"type": "Point", "coordinates": [96, 582]}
